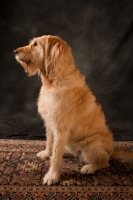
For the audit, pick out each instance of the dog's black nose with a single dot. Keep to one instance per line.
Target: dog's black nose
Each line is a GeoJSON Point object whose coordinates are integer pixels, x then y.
{"type": "Point", "coordinates": [15, 51]}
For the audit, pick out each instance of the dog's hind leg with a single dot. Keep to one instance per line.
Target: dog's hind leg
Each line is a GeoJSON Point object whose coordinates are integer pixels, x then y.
{"type": "Point", "coordinates": [96, 160]}
{"type": "Point", "coordinates": [49, 143]}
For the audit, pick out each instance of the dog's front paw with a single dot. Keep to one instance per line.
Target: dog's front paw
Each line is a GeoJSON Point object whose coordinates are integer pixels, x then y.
{"type": "Point", "coordinates": [43, 155]}
{"type": "Point", "coordinates": [51, 178]}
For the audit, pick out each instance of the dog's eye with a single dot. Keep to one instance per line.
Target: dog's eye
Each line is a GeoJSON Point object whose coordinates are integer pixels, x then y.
{"type": "Point", "coordinates": [35, 44]}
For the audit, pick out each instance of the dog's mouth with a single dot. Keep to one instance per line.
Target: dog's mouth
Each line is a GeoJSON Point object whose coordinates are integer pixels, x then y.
{"type": "Point", "coordinates": [23, 60]}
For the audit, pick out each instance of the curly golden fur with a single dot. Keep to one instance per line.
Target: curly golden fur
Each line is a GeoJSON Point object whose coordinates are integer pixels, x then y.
{"type": "Point", "coordinates": [71, 115]}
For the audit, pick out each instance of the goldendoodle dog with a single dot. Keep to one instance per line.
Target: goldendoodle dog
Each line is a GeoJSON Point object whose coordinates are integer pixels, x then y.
{"type": "Point", "coordinates": [71, 115]}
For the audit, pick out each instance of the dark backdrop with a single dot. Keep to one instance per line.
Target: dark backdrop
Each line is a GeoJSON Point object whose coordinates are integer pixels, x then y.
{"type": "Point", "coordinates": [100, 33]}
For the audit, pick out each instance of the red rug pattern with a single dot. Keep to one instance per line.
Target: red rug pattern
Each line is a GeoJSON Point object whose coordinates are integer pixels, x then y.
{"type": "Point", "coordinates": [21, 175]}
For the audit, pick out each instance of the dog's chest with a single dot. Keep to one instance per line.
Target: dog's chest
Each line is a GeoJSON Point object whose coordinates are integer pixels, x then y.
{"type": "Point", "coordinates": [49, 104]}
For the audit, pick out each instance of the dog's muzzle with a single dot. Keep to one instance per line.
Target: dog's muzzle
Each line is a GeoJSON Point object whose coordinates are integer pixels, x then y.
{"type": "Point", "coordinates": [15, 51]}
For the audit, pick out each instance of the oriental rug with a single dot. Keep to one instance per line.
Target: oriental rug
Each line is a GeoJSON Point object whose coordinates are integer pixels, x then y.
{"type": "Point", "coordinates": [21, 174]}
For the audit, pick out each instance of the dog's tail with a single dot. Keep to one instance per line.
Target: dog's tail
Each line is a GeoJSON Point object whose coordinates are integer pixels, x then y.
{"type": "Point", "coordinates": [123, 156]}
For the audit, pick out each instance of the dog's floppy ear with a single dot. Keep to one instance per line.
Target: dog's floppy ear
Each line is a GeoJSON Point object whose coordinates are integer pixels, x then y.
{"type": "Point", "coordinates": [53, 49]}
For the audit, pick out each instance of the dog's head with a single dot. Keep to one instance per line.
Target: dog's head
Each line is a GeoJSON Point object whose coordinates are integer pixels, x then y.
{"type": "Point", "coordinates": [48, 55]}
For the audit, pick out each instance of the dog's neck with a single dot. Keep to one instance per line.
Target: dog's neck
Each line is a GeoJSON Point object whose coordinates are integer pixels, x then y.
{"type": "Point", "coordinates": [47, 84]}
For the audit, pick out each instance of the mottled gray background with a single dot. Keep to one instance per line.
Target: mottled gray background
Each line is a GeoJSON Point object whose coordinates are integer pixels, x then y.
{"type": "Point", "coordinates": [100, 33]}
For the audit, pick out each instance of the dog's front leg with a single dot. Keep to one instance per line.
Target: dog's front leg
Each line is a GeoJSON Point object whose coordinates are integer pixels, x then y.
{"type": "Point", "coordinates": [49, 144]}
{"type": "Point", "coordinates": [59, 142]}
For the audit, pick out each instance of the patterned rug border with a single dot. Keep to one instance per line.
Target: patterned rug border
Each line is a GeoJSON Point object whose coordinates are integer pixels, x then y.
{"type": "Point", "coordinates": [37, 142]}
{"type": "Point", "coordinates": [93, 189]}
{"type": "Point", "coordinates": [17, 142]}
